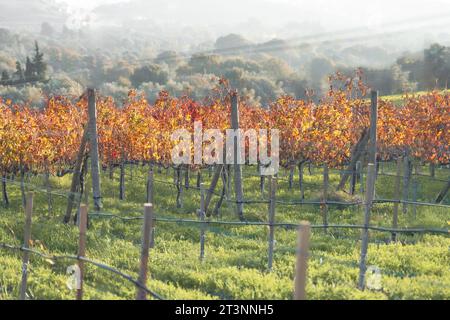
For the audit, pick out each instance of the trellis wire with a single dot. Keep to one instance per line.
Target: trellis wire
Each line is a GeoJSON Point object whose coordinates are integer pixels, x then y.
{"type": "Point", "coordinates": [103, 266]}
{"type": "Point", "coordinates": [277, 224]}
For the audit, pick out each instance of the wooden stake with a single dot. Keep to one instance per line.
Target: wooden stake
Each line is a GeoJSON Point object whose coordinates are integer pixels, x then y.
{"type": "Point", "coordinates": [237, 151]}
{"type": "Point", "coordinates": [360, 176]}
{"type": "Point", "coordinates": [122, 180]}
{"type": "Point", "coordinates": [4, 191]}
{"type": "Point", "coordinates": [212, 187]}
{"type": "Point", "coordinates": [357, 153]}
{"type": "Point", "coordinates": [414, 206]}
{"type": "Point", "coordinates": [373, 128]}
{"type": "Point", "coordinates": [22, 185]}
{"type": "Point", "coordinates": [406, 179]}
{"type": "Point", "coordinates": [76, 176]}
{"type": "Point", "coordinates": [26, 244]}
{"type": "Point", "coordinates": [397, 197]}
{"type": "Point", "coordinates": [262, 182]}
{"type": "Point", "coordinates": [223, 192]}
{"type": "Point", "coordinates": [93, 139]}
{"type": "Point", "coordinates": [187, 178]}
{"type": "Point", "coordinates": [199, 178]}
{"type": "Point", "coordinates": [432, 170]}
{"type": "Point", "coordinates": [82, 247]}
{"type": "Point", "coordinates": [326, 179]}
{"type": "Point", "coordinates": [304, 232]}
{"type": "Point", "coordinates": [179, 184]}
{"type": "Point", "coordinates": [300, 180]}
{"type": "Point", "coordinates": [370, 191]}
{"type": "Point", "coordinates": [354, 178]}
{"type": "Point", "coordinates": [49, 193]}
{"type": "Point", "coordinates": [150, 185]}
{"type": "Point", "coordinates": [145, 247]}
{"type": "Point", "coordinates": [291, 177]}
{"type": "Point", "coordinates": [202, 218]}
{"type": "Point", "coordinates": [273, 182]}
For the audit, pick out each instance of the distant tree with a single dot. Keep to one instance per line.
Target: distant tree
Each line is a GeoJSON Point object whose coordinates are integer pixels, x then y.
{"type": "Point", "coordinates": [19, 74]}
{"type": "Point", "coordinates": [277, 68]}
{"type": "Point", "coordinates": [232, 44]}
{"type": "Point", "coordinates": [244, 64]}
{"type": "Point", "coordinates": [40, 67]}
{"type": "Point", "coordinates": [171, 58]}
{"type": "Point", "coordinates": [152, 73]}
{"type": "Point", "coordinates": [319, 70]}
{"type": "Point", "coordinates": [202, 63]}
{"type": "Point", "coordinates": [401, 83]}
{"type": "Point", "coordinates": [29, 70]}
{"type": "Point", "coordinates": [437, 66]}
{"type": "Point", "coordinates": [414, 67]}
{"type": "Point", "coordinates": [5, 76]}
{"type": "Point", "coordinates": [295, 86]}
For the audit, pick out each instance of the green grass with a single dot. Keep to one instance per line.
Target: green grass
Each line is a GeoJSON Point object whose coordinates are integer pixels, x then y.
{"type": "Point", "coordinates": [398, 99]}
{"type": "Point", "coordinates": [235, 265]}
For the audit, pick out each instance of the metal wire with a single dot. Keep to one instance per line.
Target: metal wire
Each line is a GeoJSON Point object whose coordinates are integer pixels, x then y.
{"type": "Point", "coordinates": [84, 259]}
{"type": "Point", "coordinates": [281, 224]}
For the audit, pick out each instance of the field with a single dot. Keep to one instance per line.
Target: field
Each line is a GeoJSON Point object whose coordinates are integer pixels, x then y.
{"type": "Point", "coordinates": [235, 264]}
{"type": "Point", "coordinates": [398, 99]}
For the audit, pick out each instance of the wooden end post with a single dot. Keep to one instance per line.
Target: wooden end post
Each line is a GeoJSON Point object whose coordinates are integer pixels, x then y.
{"type": "Point", "coordinates": [304, 232]}
{"type": "Point", "coordinates": [26, 244]}
{"type": "Point", "coordinates": [82, 247]}
{"type": "Point", "coordinates": [145, 248]}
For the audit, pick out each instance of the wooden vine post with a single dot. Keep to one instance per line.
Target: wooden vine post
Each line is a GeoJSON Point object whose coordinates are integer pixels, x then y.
{"type": "Point", "coordinates": [122, 178]}
{"type": "Point", "coordinates": [26, 244]}
{"type": "Point", "coordinates": [273, 183]}
{"type": "Point", "coordinates": [414, 200]}
{"type": "Point", "coordinates": [326, 180]}
{"type": "Point", "coordinates": [82, 247]}
{"type": "Point", "coordinates": [300, 180]}
{"type": "Point", "coordinates": [212, 187]}
{"type": "Point", "coordinates": [150, 198]}
{"type": "Point", "coordinates": [76, 176]}
{"type": "Point", "coordinates": [145, 248]}
{"type": "Point", "coordinates": [4, 191]}
{"type": "Point", "coordinates": [95, 159]}
{"type": "Point", "coordinates": [406, 180]}
{"type": "Point", "coordinates": [398, 180]}
{"type": "Point", "coordinates": [370, 189]}
{"type": "Point", "coordinates": [237, 156]}
{"type": "Point", "coordinates": [304, 232]}
{"type": "Point", "coordinates": [202, 215]}
{"type": "Point", "coordinates": [291, 177]}
{"type": "Point", "coordinates": [150, 184]}
{"type": "Point", "coordinates": [353, 181]}
{"type": "Point", "coordinates": [373, 128]}
{"type": "Point", "coordinates": [360, 176]}
{"type": "Point", "coordinates": [357, 153]}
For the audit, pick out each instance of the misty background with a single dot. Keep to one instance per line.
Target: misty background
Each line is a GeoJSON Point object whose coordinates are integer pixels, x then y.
{"type": "Point", "coordinates": [265, 48]}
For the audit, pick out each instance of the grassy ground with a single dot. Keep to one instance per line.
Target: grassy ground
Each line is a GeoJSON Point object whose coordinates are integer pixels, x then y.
{"type": "Point", "coordinates": [398, 99]}
{"type": "Point", "coordinates": [235, 265]}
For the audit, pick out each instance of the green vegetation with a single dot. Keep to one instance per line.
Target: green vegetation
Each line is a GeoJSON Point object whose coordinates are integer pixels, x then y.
{"type": "Point", "coordinates": [398, 99]}
{"type": "Point", "coordinates": [67, 61]}
{"type": "Point", "coordinates": [235, 265]}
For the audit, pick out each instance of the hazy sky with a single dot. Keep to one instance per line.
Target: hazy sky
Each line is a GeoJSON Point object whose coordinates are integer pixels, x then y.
{"type": "Point", "coordinates": [87, 4]}
{"type": "Point", "coordinates": [330, 13]}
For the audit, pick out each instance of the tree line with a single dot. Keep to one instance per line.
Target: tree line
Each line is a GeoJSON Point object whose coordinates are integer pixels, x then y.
{"type": "Point", "coordinates": [35, 70]}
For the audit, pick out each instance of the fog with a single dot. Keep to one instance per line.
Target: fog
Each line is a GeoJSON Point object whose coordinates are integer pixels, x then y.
{"type": "Point", "coordinates": [330, 15]}
{"type": "Point", "coordinates": [266, 47]}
